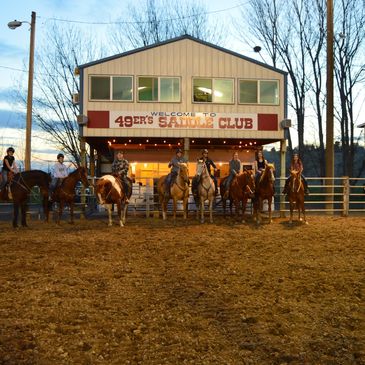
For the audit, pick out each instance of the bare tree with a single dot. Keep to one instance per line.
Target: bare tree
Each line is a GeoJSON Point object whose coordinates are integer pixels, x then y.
{"type": "Point", "coordinates": [55, 81]}
{"type": "Point", "coordinates": [349, 73]}
{"type": "Point", "coordinates": [158, 20]}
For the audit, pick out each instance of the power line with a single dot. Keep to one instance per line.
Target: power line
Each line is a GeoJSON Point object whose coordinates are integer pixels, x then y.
{"type": "Point", "coordinates": [144, 22]}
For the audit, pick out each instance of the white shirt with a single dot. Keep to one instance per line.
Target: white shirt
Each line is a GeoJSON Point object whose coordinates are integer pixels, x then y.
{"type": "Point", "coordinates": [60, 170]}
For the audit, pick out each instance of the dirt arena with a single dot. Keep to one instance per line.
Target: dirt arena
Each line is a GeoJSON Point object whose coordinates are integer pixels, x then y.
{"type": "Point", "coordinates": [155, 293]}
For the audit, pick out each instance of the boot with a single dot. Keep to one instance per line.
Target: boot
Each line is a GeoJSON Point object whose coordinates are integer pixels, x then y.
{"type": "Point", "coordinates": [306, 191]}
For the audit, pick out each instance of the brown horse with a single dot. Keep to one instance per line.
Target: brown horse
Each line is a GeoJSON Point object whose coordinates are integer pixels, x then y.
{"type": "Point", "coordinates": [179, 190]}
{"type": "Point", "coordinates": [65, 193]}
{"type": "Point", "coordinates": [21, 186]}
{"type": "Point", "coordinates": [264, 191]}
{"type": "Point", "coordinates": [296, 195]}
{"type": "Point", "coordinates": [109, 190]}
{"type": "Point", "coordinates": [242, 188]}
{"type": "Point", "coordinates": [205, 190]}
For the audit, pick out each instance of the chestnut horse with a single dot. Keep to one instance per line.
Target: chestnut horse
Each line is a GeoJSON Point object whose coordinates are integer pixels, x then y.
{"type": "Point", "coordinates": [179, 190]}
{"type": "Point", "coordinates": [264, 191]}
{"type": "Point", "coordinates": [296, 195]}
{"type": "Point", "coordinates": [242, 188]}
{"type": "Point", "coordinates": [205, 190]}
{"type": "Point", "coordinates": [65, 193]}
{"type": "Point", "coordinates": [109, 190]}
{"type": "Point", "coordinates": [21, 186]}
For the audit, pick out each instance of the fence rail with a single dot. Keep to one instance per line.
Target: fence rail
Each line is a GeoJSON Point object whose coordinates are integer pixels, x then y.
{"type": "Point", "coordinates": [344, 196]}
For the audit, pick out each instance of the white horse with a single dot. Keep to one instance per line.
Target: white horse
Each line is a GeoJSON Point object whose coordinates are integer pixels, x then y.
{"type": "Point", "coordinates": [205, 190]}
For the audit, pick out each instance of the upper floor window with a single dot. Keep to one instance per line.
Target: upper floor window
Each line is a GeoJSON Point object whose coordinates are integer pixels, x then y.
{"type": "Point", "coordinates": [159, 89]}
{"type": "Point", "coordinates": [259, 92]}
{"type": "Point", "coordinates": [207, 90]}
{"type": "Point", "coordinates": [118, 88]}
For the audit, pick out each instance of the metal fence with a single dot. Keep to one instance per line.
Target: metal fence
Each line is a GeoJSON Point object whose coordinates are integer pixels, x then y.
{"type": "Point", "coordinates": [344, 196]}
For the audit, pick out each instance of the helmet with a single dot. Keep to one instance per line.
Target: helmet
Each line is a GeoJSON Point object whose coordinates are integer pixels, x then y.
{"type": "Point", "coordinates": [179, 150]}
{"type": "Point", "coordinates": [204, 151]}
{"type": "Point", "coordinates": [10, 149]}
{"type": "Point", "coordinates": [60, 155]}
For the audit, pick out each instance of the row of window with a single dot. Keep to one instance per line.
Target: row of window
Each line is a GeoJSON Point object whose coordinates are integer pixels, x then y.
{"type": "Point", "coordinates": [168, 90]}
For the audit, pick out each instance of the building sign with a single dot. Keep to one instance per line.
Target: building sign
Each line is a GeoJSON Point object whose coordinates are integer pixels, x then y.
{"type": "Point", "coordinates": [182, 120]}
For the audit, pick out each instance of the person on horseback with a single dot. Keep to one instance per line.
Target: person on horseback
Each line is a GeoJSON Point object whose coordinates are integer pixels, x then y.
{"type": "Point", "coordinates": [234, 170]}
{"type": "Point", "coordinates": [259, 165]}
{"type": "Point", "coordinates": [174, 165]}
{"type": "Point", "coordinates": [9, 166]}
{"type": "Point", "coordinates": [120, 168]}
{"type": "Point", "coordinates": [209, 164]}
{"type": "Point", "coordinates": [60, 172]}
{"type": "Point", "coordinates": [296, 164]}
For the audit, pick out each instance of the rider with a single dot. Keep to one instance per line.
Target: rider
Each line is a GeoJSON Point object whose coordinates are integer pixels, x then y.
{"type": "Point", "coordinates": [209, 163]}
{"type": "Point", "coordinates": [9, 165]}
{"type": "Point", "coordinates": [234, 170]}
{"type": "Point", "coordinates": [60, 172]}
{"type": "Point", "coordinates": [296, 164]}
{"type": "Point", "coordinates": [174, 164]}
{"type": "Point", "coordinates": [259, 165]}
{"type": "Point", "coordinates": [120, 167]}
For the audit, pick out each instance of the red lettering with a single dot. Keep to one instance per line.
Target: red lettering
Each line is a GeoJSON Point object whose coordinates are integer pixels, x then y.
{"type": "Point", "coordinates": [162, 122]}
{"type": "Point", "coordinates": [230, 125]}
{"type": "Point", "coordinates": [248, 123]}
{"type": "Point", "coordinates": [239, 123]}
{"type": "Point", "coordinates": [222, 123]}
{"type": "Point", "coordinates": [136, 120]}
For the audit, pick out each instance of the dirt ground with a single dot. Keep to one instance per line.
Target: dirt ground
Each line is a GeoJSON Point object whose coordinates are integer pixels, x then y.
{"type": "Point", "coordinates": [155, 293]}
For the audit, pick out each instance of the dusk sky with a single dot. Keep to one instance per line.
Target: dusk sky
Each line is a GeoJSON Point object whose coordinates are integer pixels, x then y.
{"type": "Point", "coordinates": [14, 52]}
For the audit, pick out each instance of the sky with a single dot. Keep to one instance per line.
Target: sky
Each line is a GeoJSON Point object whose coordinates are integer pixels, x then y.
{"type": "Point", "coordinates": [14, 55]}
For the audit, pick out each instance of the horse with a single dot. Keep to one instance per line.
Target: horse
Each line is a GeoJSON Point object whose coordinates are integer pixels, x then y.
{"type": "Point", "coordinates": [204, 190]}
{"type": "Point", "coordinates": [109, 190]}
{"type": "Point", "coordinates": [264, 191]}
{"type": "Point", "coordinates": [21, 186]}
{"type": "Point", "coordinates": [296, 195]}
{"type": "Point", "coordinates": [242, 188]}
{"type": "Point", "coordinates": [65, 193]}
{"type": "Point", "coordinates": [179, 190]}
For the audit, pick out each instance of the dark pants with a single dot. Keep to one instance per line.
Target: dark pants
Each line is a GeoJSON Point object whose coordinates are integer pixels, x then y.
{"type": "Point", "coordinates": [170, 179]}
{"type": "Point", "coordinates": [4, 180]}
{"type": "Point", "coordinates": [127, 185]}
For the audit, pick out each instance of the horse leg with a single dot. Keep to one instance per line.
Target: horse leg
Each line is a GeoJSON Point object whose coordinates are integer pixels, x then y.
{"type": "Point", "coordinates": [119, 208]}
{"type": "Point", "coordinates": [72, 212]}
{"type": "Point", "coordinates": [124, 211]}
{"type": "Point", "coordinates": [211, 209]}
{"type": "Point", "coordinates": [45, 205]}
{"type": "Point", "coordinates": [244, 203]}
{"type": "Point", "coordinates": [224, 207]}
{"type": "Point", "coordinates": [291, 205]}
{"type": "Point", "coordinates": [60, 210]}
{"type": "Point", "coordinates": [185, 207]}
{"type": "Point", "coordinates": [201, 210]}
{"type": "Point", "coordinates": [258, 212]}
{"type": "Point", "coordinates": [164, 209]}
{"type": "Point", "coordinates": [23, 208]}
{"type": "Point", "coordinates": [269, 200]}
{"type": "Point", "coordinates": [15, 214]}
{"type": "Point", "coordinates": [109, 208]}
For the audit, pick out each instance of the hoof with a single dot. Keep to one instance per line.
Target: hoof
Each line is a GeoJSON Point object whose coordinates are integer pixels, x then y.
{"type": "Point", "coordinates": [305, 222]}
{"type": "Point", "coordinates": [110, 224]}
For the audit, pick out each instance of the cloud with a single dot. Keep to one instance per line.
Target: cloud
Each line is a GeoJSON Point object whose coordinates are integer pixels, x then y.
{"type": "Point", "coordinates": [10, 50]}
{"type": "Point", "coordinates": [11, 119]}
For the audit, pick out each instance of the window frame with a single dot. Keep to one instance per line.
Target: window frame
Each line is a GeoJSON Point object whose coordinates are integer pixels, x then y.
{"type": "Point", "coordinates": [111, 77]}
{"type": "Point", "coordinates": [179, 78]}
{"type": "Point", "coordinates": [258, 91]}
{"type": "Point", "coordinates": [213, 82]}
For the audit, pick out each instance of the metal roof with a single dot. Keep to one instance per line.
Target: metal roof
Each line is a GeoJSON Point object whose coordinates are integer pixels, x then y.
{"type": "Point", "coordinates": [177, 39]}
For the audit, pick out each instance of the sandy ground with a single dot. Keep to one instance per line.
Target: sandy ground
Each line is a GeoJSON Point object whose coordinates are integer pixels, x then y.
{"type": "Point", "coordinates": [157, 293]}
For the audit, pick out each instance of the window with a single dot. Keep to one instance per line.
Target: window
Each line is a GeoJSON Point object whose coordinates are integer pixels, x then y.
{"type": "Point", "coordinates": [159, 89]}
{"type": "Point", "coordinates": [118, 88]}
{"type": "Point", "coordinates": [122, 88]}
{"type": "Point", "coordinates": [213, 91]}
{"type": "Point", "coordinates": [259, 92]}
{"type": "Point", "coordinates": [100, 88]}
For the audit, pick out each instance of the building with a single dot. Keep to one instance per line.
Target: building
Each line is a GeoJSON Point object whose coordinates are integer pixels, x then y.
{"type": "Point", "coordinates": [185, 93]}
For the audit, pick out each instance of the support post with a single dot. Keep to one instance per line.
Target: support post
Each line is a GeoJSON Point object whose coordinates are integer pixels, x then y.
{"type": "Point", "coordinates": [282, 176]}
{"type": "Point", "coordinates": [346, 196]}
{"type": "Point", "coordinates": [186, 147]}
{"type": "Point", "coordinates": [83, 163]}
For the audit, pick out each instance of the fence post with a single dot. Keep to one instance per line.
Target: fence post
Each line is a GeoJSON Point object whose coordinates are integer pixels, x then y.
{"type": "Point", "coordinates": [147, 198]}
{"type": "Point", "coordinates": [346, 196]}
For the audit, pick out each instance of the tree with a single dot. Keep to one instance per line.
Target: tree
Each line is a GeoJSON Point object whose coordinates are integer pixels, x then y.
{"type": "Point", "coordinates": [155, 21]}
{"type": "Point", "coordinates": [55, 81]}
{"type": "Point", "coordinates": [349, 73]}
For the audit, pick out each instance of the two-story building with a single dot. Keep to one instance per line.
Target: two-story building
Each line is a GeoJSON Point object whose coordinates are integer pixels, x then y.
{"type": "Point", "coordinates": [185, 93]}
